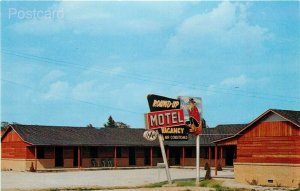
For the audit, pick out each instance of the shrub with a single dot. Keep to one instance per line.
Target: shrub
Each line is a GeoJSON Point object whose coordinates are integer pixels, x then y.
{"type": "Point", "coordinates": [156, 185]}
{"type": "Point", "coordinates": [185, 183]}
{"type": "Point", "coordinates": [208, 174]}
{"type": "Point", "coordinates": [217, 186]}
{"type": "Point", "coordinates": [204, 183]}
{"type": "Point", "coordinates": [31, 169]}
{"type": "Point", "coordinates": [252, 182]}
{"type": "Point", "coordinates": [278, 184]}
{"type": "Point", "coordinates": [219, 167]}
{"type": "Point", "coordinates": [206, 166]}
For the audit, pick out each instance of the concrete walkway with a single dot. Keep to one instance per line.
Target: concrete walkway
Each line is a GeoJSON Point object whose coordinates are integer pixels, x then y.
{"type": "Point", "coordinates": [103, 178]}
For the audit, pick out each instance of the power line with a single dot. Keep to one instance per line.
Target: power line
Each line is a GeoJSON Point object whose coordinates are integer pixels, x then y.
{"type": "Point", "coordinates": [81, 101]}
{"type": "Point", "coordinates": [155, 80]}
{"type": "Point", "coordinates": [73, 99]}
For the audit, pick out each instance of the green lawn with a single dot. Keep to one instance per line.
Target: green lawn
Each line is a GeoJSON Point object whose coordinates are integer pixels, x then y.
{"type": "Point", "coordinates": [216, 184]}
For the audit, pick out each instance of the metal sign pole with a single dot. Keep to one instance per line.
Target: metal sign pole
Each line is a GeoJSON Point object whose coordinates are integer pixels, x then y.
{"type": "Point", "coordinates": [198, 158]}
{"type": "Point", "coordinates": [163, 153]}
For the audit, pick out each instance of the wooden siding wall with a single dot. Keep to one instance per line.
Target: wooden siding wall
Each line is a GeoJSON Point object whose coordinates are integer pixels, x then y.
{"type": "Point", "coordinates": [68, 152]}
{"type": "Point", "coordinates": [270, 142]}
{"type": "Point", "coordinates": [12, 146]}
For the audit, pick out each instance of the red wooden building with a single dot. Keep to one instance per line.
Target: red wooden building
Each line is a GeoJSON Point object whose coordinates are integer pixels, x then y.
{"type": "Point", "coordinates": [268, 149]}
{"type": "Point", "coordinates": [48, 147]}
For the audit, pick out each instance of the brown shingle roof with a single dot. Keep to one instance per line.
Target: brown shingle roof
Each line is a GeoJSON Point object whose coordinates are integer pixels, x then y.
{"type": "Point", "coordinates": [125, 137]}
{"type": "Point", "coordinates": [62, 135]}
{"type": "Point", "coordinates": [293, 116]}
{"type": "Point", "coordinates": [57, 135]}
{"type": "Point", "coordinates": [210, 134]}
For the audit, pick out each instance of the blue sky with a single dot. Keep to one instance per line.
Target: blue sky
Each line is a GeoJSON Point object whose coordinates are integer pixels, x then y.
{"type": "Point", "coordinates": [89, 60]}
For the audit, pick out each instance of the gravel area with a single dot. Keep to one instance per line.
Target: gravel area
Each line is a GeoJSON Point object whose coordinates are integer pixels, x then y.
{"type": "Point", "coordinates": [231, 183]}
{"type": "Point", "coordinates": [105, 178]}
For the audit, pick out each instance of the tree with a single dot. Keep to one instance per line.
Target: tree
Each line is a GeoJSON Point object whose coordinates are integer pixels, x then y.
{"type": "Point", "coordinates": [90, 126]}
{"type": "Point", "coordinates": [207, 174]}
{"type": "Point", "coordinates": [204, 123]}
{"type": "Point", "coordinates": [110, 123]}
{"type": "Point", "coordinates": [122, 125]}
{"type": "Point", "coordinates": [4, 125]}
{"type": "Point", "coordinates": [219, 167]}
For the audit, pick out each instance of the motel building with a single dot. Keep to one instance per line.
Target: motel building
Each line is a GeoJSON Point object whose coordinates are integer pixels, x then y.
{"type": "Point", "coordinates": [265, 151]}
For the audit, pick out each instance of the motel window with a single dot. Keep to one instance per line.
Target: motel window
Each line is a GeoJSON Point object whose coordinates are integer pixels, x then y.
{"type": "Point", "coordinates": [40, 152]}
{"type": "Point", "coordinates": [189, 152]}
{"type": "Point", "coordinates": [204, 153]}
{"type": "Point", "coordinates": [158, 153]}
{"type": "Point", "coordinates": [107, 152]}
{"type": "Point", "coordinates": [93, 152]}
{"type": "Point", "coordinates": [119, 152]}
{"type": "Point", "coordinates": [212, 152]}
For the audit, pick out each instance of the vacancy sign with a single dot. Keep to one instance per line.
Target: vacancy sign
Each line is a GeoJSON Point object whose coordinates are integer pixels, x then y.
{"type": "Point", "coordinates": [166, 118]}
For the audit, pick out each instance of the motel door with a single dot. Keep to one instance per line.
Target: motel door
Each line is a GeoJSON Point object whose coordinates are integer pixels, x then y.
{"type": "Point", "coordinates": [175, 154]}
{"type": "Point", "coordinates": [147, 154]}
{"type": "Point", "coordinates": [132, 156]}
{"type": "Point", "coordinates": [59, 159]}
{"type": "Point", "coordinates": [229, 153]}
{"type": "Point", "coordinates": [75, 156]}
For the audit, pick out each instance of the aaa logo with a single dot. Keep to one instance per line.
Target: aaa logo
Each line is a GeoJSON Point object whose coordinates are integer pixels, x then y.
{"type": "Point", "coordinates": [150, 135]}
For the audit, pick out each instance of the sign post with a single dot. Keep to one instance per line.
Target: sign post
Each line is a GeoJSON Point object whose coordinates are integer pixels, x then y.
{"type": "Point", "coordinates": [174, 119]}
{"type": "Point", "coordinates": [198, 159]}
{"type": "Point", "coordinates": [193, 109]}
{"type": "Point", "coordinates": [163, 153]}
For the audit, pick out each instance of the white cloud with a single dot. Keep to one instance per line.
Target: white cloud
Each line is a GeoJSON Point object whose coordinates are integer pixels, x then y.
{"type": "Point", "coordinates": [222, 30]}
{"type": "Point", "coordinates": [85, 90]}
{"type": "Point", "coordinates": [53, 75]}
{"type": "Point", "coordinates": [223, 17]}
{"type": "Point", "coordinates": [108, 18]}
{"type": "Point", "coordinates": [235, 81]}
{"type": "Point", "coordinates": [38, 26]}
{"type": "Point", "coordinates": [115, 71]}
{"type": "Point", "coordinates": [57, 90]}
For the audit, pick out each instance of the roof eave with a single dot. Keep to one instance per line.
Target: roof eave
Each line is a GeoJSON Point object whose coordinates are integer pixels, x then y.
{"type": "Point", "coordinates": [254, 121]}
{"type": "Point", "coordinates": [285, 118]}
{"type": "Point", "coordinates": [12, 127]}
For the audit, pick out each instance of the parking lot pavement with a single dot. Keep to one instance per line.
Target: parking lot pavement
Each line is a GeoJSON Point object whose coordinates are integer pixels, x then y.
{"type": "Point", "coordinates": [105, 178]}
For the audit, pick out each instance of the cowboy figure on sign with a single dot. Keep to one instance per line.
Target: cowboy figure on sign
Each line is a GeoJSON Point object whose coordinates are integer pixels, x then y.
{"type": "Point", "coordinates": [194, 123]}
